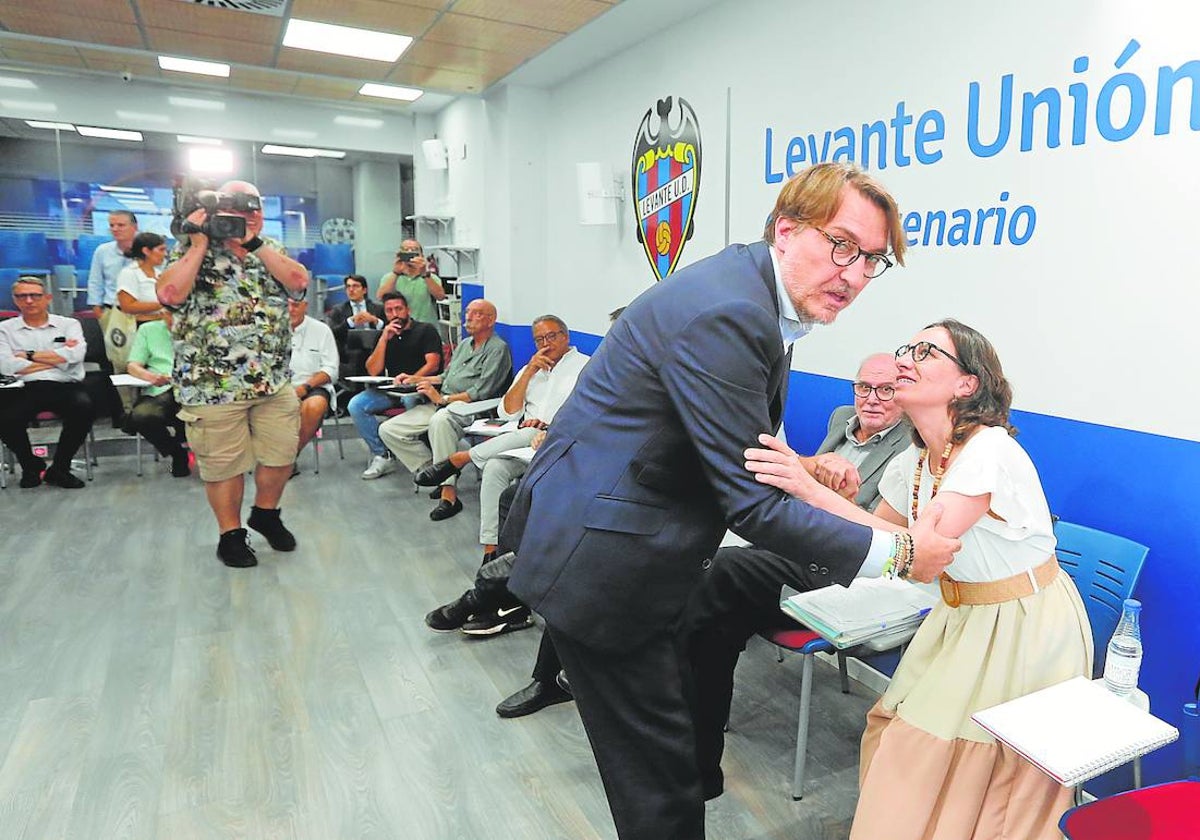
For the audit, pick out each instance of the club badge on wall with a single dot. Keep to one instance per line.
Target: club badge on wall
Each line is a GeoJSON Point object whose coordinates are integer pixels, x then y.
{"type": "Point", "coordinates": [666, 181]}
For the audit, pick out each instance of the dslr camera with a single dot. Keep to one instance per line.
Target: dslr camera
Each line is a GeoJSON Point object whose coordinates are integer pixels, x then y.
{"type": "Point", "coordinates": [192, 194]}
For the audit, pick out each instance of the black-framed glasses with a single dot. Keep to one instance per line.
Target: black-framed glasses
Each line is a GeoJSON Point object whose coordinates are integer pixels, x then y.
{"type": "Point", "coordinates": [921, 350]}
{"type": "Point", "coordinates": [845, 252]}
{"type": "Point", "coordinates": [28, 295]}
{"type": "Point", "coordinates": [885, 392]}
{"type": "Point", "coordinates": [543, 340]}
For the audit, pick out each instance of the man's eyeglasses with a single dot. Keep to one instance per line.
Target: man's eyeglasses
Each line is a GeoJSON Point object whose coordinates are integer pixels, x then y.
{"type": "Point", "coordinates": [921, 350]}
{"type": "Point", "coordinates": [845, 252]}
{"type": "Point", "coordinates": [28, 295]}
{"type": "Point", "coordinates": [543, 340]}
{"type": "Point", "coordinates": [885, 392]}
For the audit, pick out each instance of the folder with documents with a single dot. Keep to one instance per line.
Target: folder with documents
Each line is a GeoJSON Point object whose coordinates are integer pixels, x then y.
{"type": "Point", "coordinates": [865, 610]}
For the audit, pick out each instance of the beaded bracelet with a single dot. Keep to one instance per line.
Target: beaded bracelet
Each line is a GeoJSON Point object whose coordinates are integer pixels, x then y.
{"type": "Point", "coordinates": [904, 564]}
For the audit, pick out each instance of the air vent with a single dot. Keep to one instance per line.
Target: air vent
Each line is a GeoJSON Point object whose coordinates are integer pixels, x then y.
{"type": "Point", "coordinates": [271, 8]}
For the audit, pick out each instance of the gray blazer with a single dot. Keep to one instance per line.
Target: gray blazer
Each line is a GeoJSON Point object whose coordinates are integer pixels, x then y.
{"type": "Point", "coordinates": [871, 470]}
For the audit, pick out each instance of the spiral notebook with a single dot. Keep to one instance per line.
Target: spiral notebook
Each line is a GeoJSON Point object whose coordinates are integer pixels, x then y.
{"type": "Point", "coordinates": [1076, 730]}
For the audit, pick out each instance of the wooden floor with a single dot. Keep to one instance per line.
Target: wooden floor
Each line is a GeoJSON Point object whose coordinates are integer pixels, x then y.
{"type": "Point", "coordinates": [146, 691]}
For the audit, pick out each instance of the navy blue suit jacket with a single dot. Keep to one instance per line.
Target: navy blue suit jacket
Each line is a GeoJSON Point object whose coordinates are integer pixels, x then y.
{"type": "Point", "coordinates": [642, 470]}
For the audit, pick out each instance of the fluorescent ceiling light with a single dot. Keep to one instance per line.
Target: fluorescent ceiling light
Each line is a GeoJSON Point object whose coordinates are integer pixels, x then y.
{"type": "Point", "coordinates": [345, 40]}
{"type": "Point", "coordinates": [358, 122]}
{"type": "Point", "coordinates": [109, 133]}
{"type": "Point", "coordinates": [209, 160]}
{"type": "Point", "coordinates": [404, 94]}
{"type": "Point", "coordinates": [138, 116]}
{"type": "Point", "coordinates": [199, 141]}
{"type": "Point", "coordinates": [22, 105]}
{"type": "Point", "coordinates": [298, 151]}
{"type": "Point", "coordinates": [16, 82]}
{"type": "Point", "coordinates": [56, 125]}
{"type": "Point", "coordinates": [113, 188]}
{"type": "Point", "coordinates": [190, 65]}
{"type": "Point", "coordinates": [294, 133]}
{"type": "Point", "coordinates": [199, 104]}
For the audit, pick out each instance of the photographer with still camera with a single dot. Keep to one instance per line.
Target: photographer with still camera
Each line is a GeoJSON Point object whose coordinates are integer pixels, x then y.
{"type": "Point", "coordinates": [411, 277]}
{"type": "Point", "coordinates": [229, 288]}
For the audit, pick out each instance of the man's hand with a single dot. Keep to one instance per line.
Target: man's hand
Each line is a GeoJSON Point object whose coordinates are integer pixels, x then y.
{"type": "Point", "coordinates": [534, 423]}
{"type": "Point", "coordinates": [430, 392]}
{"type": "Point", "coordinates": [71, 342]}
{"type": "Point", "coordinates": [363, 318]}
{"type": "Point", "coordinates": [392, 330]}
{"type": "Point", "coordinates": [199, 240]}
{"type": "Point", "coordinates": [541, 361]}
{"type": "Point", "coordinates": [538, 440]}
{"type": "Point", "coordinates": [160, 379]}
{"type": "Point", "coordinates": [932, 552]}
{"type": "Point", "coordinates": [838, 474]}
{"type": "Point", "coordinates": [419, 265]}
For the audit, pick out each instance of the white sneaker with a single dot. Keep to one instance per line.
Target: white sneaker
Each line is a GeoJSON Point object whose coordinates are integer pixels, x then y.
{"type": "Point", "coordinates": [380, 465]}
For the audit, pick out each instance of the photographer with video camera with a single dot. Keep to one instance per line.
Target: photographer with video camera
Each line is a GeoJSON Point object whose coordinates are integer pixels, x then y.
{"type": "Point", "coordinates": [411, 277]}
{"type": "Point", "coordinates": [229, 289]}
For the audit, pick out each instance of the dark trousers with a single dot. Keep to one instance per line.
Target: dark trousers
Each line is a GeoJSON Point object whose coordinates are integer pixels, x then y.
{"type": "Point", "coordinates": [156, 419]}
{"type": "Point", "coordinates": [19, 406]}
{"type": "Point", "coordinates": [636, 712]}
{"type": "Point", "coordinates": [737, 598]}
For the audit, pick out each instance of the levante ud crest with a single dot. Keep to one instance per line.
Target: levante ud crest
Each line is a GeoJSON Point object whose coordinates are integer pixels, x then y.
{"type": "Point", "coordinates": [666, 181]}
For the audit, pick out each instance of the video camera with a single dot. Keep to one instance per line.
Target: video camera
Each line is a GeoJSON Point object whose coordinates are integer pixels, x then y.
{"type": "Point", "coordinates": [192, 194]}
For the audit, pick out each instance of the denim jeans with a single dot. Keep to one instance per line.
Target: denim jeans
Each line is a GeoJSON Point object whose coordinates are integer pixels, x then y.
{"type": "Point", "coordinates": [364, 409]}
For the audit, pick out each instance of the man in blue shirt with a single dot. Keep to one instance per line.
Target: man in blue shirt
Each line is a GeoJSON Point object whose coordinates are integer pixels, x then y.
{"type": "Point", "coordinates": [108, 261]}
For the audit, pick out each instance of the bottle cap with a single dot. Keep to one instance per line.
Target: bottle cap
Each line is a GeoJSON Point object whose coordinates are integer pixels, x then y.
{"type": "Point", "coordinates": [1133, 604]}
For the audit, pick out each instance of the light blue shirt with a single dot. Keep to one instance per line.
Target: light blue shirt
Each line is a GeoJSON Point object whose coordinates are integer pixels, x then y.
{"type": "Point", "coordinates": [107, 264]}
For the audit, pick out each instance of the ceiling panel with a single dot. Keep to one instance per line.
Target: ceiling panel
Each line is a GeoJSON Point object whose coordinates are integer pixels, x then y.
{"type": "Point", "coordinates": [210, 22]}
{"type": "Point", "coordinates": [120, 11]}
{"type": "Point", "coordinates": [189, 45]}
{"type": "Point", "coordinates": [438, 5]}
{"type": "Point", "coordinates": [461, 59]}
{"type": "Point", "coordinates": [399, 18]}
{"type": "Point", "coordinates": [65, 58]}
{"type": "Point", "coordinates": [70, 27]}
{"type": "Point", "coordinates": [558, 15]}
{"type": "Point", "coordinates": [245, 77]}
{"type": "Point", "coordinates": [307, 61]}
{"type": "Point", "coordinates": [326, 88]}
{"type": "Point", "coordinates": [490, 35]}
{"type": "Point", "coordinates": [435, 77]}
{"type": "Point", "coordinates": [141, 65]}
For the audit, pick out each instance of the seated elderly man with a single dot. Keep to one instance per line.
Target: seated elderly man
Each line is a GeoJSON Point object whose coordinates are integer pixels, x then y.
{"type": "Point", "coordinates": [314, 368]}
{"type": "Point", "coordinates": [155, 415]}
{"type": "Point", "coordinates": [537, 392]}
{"type": "Point", "coordinates": [45, 353]}
{"type": "Point", "coordinates": [479, 370]}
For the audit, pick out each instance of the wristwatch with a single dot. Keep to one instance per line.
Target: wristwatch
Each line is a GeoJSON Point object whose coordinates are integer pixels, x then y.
{"type": "Point", "coordinates": [254, 244]}
{"type": "Point", "coordinates": [29, 354]}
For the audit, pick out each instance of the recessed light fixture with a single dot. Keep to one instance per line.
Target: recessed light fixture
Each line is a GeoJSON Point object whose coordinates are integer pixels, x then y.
{"type": "Point", "coordinates": [109, 133]}
{"type": "Point", "coordinates": [198, 104]}
{"type": "Point", "coordinates": [298, 151]}
{"type": "Point", "coordinates": [55, 125]}
{"type": "Point", "coordinates": [199, 141]}
{"type": "Point", "coordinates": [113, 188]}
{"type": "Point", "coordinates": [404, 94]}
{"type": "Point", "coordinates": [17, 82]}
{"type": "Point", "coordinates": [138, 116]}
{"type": "Point", "coordinates": [23, 105]}
{"type": "Point", "coordinates": [358, 122]}
{"type": "Point", "coordinates": [209, 160]}
{"type": "Point", "coordinates": [345, 40]}
{"type": "Point", "coordinates": [191, 65]}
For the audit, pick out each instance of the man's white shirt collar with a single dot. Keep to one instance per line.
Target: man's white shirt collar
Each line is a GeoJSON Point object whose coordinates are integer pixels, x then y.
{"type": "Point", "coordinates": [791, 328]}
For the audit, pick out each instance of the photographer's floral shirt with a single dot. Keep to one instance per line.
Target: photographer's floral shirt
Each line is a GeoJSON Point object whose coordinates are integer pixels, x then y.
{"type": "Point", "coordinates": [232, 335]}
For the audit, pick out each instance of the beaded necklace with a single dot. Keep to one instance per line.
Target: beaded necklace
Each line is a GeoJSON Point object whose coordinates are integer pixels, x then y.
{"type": "Point", "coordinates": [937, 476]}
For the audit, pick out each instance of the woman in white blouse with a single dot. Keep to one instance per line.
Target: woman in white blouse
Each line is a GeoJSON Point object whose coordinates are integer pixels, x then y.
{"type": "Point", "coordinates": [137, 293]}
{"type": "Point", "coordinates": [1010, 621]}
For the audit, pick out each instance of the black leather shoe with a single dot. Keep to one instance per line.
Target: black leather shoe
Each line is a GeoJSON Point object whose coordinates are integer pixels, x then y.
{"type": "Point", "coordinates": [435, 493]}
{"type": "Point", "coordinates": [235, 551]}
{"type": "Point", "coordinates": [445, 510]}
{"type": "Point", "coordinates": [435, 474]}
{"type": "Point", "coordinates": [31, 473]}
{"type": "Point", "coordinates": [532, 698]}
{"type": "Point", "coordinates": [563, 682]}
{"type": "Point", "coordinates": [267, 522]}
{"type": "Point", "coordinates": [61, 478]}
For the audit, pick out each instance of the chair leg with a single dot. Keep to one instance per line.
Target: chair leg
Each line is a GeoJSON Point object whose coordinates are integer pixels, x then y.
{"type": "Point", "coordinates": [802, 727]}
{"type": "Point", "coordinates": [843, 673]}
{"type": "Point", "coordinates": [137, 440]}
{"type": "Point", "coordinates": [337, 423]}
{"type": "Point", "coordinates": [88, 454]}
{"type": "Point", "coordinates": [316, 450]}
{"type": "Point", "coordinates": [3, 467]}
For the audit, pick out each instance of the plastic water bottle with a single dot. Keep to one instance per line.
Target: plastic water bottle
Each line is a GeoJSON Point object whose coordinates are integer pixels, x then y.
{"type": "Point", "coordinates": [1124, 651]}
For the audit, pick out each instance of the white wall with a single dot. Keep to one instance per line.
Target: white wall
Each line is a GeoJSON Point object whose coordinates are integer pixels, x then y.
{"type": "Point", "coordinates": [1087, 315]}
{"type": "Point", "coordinates": [377, 215]}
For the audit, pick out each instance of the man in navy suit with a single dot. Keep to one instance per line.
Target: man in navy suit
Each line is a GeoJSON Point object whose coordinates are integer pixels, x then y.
{"type": "Point", "coordinates": [643, 471]}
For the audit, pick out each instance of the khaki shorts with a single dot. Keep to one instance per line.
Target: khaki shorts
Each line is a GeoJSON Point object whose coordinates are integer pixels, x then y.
{"type": "Point", "coordinates": [230, 439]}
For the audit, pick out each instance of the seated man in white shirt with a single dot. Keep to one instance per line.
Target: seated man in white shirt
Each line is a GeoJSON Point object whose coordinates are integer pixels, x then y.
{"type": "Point", "coordinates": [44, 352]}
{"type": "Point", "coordinates": [314, 368]}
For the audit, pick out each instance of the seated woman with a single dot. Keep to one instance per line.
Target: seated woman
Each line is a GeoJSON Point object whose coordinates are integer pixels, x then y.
{"type": "Point", "coordinates": [155, 414]}
{"type": "Point", "coordinates": [1010, 621]}
{"type": "Point", "coordinates": [137, 293]}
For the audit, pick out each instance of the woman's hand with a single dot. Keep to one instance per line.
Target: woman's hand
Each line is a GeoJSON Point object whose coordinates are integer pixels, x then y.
{"type": "Point", "coordinates": [778, 466]}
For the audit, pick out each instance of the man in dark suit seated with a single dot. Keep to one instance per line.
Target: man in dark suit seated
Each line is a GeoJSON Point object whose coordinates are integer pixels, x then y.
{"type": "Point", "coordinates": [357, 313]}
{"type": "Point", "coordinates": [643, 472]}
{"type": "Point", "coordinates": [739, 595]}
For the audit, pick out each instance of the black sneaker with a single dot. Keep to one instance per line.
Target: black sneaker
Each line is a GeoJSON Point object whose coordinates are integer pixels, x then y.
{"type": "Point", "coordinates": [452, 616]}
{"type": "Point", "coordinates": [267, 522]}
{"type": "Point", "coordinates": [62, 478]}
{"type": "Point", "coordinates": [31, 473]}
{"type": "Point", "coordinates": [235, 551]}
{"type": "Point", "coordinates": [503, 620]}
{"type": "Point", "coordinates": [179, 464]}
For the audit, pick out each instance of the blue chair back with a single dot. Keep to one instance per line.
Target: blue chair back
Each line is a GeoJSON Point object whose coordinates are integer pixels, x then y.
{"type": "Point", "coordinates": [1105, 569]}
{"type": "Point", "coordinates": [85, 246]}
{"type": "Point", "coordinates": [8, 276]}
{"type": "Point", "coordinates": [26, 250]}
{"type": "Point", "coordinates": [333, 259]}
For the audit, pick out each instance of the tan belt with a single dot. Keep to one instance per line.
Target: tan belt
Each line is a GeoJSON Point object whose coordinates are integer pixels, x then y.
{"type": "Point", "coordinates": [955, 592]}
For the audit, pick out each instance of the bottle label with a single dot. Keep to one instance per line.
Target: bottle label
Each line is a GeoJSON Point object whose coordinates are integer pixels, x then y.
{"type": "Point", "coordinates": [1121, 670]}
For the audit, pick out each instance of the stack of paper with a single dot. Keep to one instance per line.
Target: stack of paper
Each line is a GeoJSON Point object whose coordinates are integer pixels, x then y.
{"type": "Point", "coordinates": [868, 608]}
{"type": "Point", "coordinates": [1075, 730]}
{"type": "Point", "coordinates": [490, 427]}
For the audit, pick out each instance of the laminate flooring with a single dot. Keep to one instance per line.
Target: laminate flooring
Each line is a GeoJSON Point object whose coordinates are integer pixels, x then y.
{"type": "Point", "coordinates": [146, 691]}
